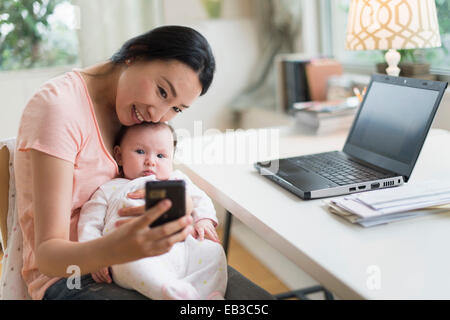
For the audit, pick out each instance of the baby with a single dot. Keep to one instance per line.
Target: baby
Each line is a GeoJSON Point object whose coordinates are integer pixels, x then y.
{"type": "Point", "coordinates": [193, 269]}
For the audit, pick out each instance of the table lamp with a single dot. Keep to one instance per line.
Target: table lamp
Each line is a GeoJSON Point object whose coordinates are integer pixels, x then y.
{"type": "Point", "coordinates": [391, 25]}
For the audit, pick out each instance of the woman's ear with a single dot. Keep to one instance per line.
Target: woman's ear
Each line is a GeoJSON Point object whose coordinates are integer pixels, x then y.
{"type": "Point", "coordinates": [118, 155]}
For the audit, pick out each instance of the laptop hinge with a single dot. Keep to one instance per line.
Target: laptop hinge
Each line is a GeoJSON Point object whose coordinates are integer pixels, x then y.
{"type": "Point", "coordinates": [368, 164]}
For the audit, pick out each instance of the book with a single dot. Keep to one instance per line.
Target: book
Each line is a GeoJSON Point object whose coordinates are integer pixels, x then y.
{"type": "Point", "coordinates": [326, 117]}
{"type": "Point", "coordinates": [295, 85]}
{"type": "Point", "coordinates": [318, 71]}
{"type": "Point", "coordinates": [326, 125]}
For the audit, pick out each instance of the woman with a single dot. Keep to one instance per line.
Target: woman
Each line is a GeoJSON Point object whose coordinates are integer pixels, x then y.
{"type": "Point", "coordinates": [64, 149]}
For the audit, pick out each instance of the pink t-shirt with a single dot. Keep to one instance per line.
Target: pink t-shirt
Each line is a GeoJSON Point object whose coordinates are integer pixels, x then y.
{"type": "Point", "coordinates": [59, 120]}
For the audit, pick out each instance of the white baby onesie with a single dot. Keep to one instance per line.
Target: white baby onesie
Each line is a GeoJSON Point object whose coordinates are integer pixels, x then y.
{"type": "Point", "coordinates": [192, 269]}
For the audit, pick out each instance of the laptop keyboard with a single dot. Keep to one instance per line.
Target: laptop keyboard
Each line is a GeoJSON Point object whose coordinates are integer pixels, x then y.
{"type": "Point", "coordinates": [336, 167]}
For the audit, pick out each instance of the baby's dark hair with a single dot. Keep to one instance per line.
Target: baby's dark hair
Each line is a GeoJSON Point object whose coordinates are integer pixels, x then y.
{"type": "Point", "coordinates": [156, 125]}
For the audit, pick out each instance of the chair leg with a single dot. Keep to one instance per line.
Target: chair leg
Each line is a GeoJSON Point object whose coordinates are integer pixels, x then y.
{"type": "Point", "coordinates": [303, 293]}
{"type": "Point", "coordinates": [327, 294]}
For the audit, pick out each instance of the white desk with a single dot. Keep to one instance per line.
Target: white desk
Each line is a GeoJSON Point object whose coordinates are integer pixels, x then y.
{"type": "Point", "coordinates": [412, 256]}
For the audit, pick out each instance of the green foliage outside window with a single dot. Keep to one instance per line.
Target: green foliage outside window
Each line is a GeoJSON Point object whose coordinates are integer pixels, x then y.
{"type": "Point", "coordinates": [443, 13]}
{"type": "Point", "coordinates": [442, 54]}
{"type": "Point", "coordinates": [28, 39]}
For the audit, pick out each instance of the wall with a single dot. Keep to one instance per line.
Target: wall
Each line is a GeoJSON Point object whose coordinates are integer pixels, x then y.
{"type": "Point", "coordinates": [442, 118]}
{"type": "Point", "coordinates": [16, 88]}
{"type": "Point", "coordinates": [232, 72]}
{"type": "Point", "coordinates": [186, 11]}
{"type": "Point", "coordinates": [233, 40]}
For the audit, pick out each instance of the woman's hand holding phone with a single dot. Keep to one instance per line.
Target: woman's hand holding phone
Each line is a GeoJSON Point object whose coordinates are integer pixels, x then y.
{"type": "Point", "coordinates": [203, 229]}
{"type": "Point", "coordinates": [133, 239]}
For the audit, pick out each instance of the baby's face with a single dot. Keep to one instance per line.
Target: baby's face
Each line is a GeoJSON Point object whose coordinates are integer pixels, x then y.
{"type": "Point", "coordinates": [145, 151]}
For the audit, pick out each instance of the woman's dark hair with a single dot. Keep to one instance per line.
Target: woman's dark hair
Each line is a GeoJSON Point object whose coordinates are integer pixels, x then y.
{"type": "Point", "coordinates": [172, 42]}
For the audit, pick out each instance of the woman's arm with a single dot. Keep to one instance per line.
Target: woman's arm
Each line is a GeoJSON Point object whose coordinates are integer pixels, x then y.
{"type": "Point", "coordinates": [52, 199]}
{"type": "Point", "coordinates": [52, 195]}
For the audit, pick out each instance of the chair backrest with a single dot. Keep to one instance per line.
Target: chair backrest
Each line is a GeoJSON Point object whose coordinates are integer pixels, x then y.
{"type": "Point", "coordinates": [4, 190]}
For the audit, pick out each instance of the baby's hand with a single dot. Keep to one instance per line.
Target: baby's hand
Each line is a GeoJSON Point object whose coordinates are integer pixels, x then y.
{"type": "Point", "coordinates": [204, 229]}
{"type": "Point", "coordinates": [102, 276]}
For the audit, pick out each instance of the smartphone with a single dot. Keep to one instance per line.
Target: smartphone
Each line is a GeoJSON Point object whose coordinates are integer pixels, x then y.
{"type": "Point", "coordinates": [174, 190]}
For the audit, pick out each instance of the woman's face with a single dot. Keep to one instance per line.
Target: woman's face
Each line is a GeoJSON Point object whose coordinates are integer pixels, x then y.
{"type": "Point", "coordinates": [154, 91]}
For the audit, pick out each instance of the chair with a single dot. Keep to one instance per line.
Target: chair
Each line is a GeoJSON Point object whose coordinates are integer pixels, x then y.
{"type": "Point", "coordinates": [12, 286]}
{"type": "Point", "coordinates": [4, 191]}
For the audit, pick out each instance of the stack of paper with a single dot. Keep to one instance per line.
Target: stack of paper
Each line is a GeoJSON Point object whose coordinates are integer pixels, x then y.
{"type": "Point", "coordinates": [387, 205]}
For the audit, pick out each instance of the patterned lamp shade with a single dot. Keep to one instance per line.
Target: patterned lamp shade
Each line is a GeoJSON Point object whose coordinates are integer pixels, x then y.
{"type": "Point", "coordinates": [392, 24]}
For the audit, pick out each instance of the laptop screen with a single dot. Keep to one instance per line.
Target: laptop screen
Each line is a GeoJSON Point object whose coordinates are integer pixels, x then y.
{"type": "Point", "coordinates": [393, 121]}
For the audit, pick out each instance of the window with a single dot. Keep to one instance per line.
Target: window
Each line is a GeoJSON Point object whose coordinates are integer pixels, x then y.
{"type": "Point", "coordinates": [37, 33]}
{"type": "Point", "coordinates": [439, 58]}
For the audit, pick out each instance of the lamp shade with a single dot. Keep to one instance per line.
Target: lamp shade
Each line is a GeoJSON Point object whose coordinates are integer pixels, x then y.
{"type": "Point", "coordinates": [392, 24]}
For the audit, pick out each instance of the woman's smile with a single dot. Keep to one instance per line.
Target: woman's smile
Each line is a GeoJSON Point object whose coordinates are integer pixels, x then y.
{"type": "Point", "coordinates": [136, 115]}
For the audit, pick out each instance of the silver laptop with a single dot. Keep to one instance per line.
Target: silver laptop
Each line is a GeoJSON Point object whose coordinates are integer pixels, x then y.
{"type": "Point", "coordinates": [381, 149]}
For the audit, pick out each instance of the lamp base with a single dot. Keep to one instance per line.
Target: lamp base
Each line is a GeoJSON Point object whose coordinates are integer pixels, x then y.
{"type": "Point", "coordinates": [392, 58]}
{"type": "Point", "coordinates": [410, 70]}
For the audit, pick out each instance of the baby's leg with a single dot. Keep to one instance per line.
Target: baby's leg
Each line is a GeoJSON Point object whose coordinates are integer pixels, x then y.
{"type": "Point", "coordinates": [207, 268]}
{"type": "Point", "coordinates": [146, 276]}
{"type": "Point", "coordinates": [155, 277]}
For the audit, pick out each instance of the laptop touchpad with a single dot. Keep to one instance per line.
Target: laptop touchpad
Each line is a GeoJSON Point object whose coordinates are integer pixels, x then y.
{"type": "Point", "coordinates": [305, 180]}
